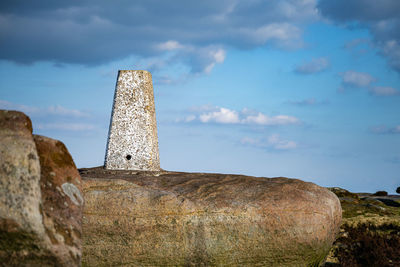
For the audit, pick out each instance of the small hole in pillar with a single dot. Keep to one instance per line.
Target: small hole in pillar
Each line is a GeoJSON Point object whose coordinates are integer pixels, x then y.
{"type": "Point", "coordinates": [128, 157]}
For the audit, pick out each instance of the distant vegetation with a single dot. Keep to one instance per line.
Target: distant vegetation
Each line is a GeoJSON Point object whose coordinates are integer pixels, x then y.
{"type": "Point", "coordinates": [370, 232]}
{"type": "Point", "coordinates": [381, 193]}
{"type": "Point", "coordinates": [367, 244]}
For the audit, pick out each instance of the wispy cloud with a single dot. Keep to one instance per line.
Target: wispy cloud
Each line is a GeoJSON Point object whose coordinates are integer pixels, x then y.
{"type": "Point", "coordinates": [274, 142]}
{"type": "Point", "coordinates": [359, 46]}
{"type": "Point", "coordinates": [220, 115]}
{"type": "Point", "coordinates": [200, 59]}
{"type": "Point", "coordinates": [308, 102]}
{"type": "Point", "coordinates": [170, 45]}
{"type": "Point", "coordinates": [65, 126]}
{"type": "Point", "coordinates": [316, 65]}
{"type": "Point", "coordinates": [354, 79]}
{"type": "Point", "coordinates": [37, 111]}
{"type": "Point", "coordinates": [383, 91]}
{"type": "Point", "coordinates": [59, 110]}
{"type": "Point", "coordinates": [197, 33]}
{"type": "Point", "coordinates": [53, 117]}
{"type": "Point", "coordinates": [262, 119]}
{"type": "Point", "coordinates": [381, 18]}
{"type": "Point", "coordinates": [393, 159]}
{"type": "Point", "coordinates": [381, 129]}
{"type": "Point", "coordinates": [352, 44]}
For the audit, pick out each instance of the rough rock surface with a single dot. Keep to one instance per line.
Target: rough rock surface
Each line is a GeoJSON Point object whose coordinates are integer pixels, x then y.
{"type": "Point", "coordinates": [21, 225]}
{"type": "Point", "coordinates": [195, 219]}
{"type": "Point", "coordinates": [40, 202]}
{"type": "Point", "coordinates": [62, 201]}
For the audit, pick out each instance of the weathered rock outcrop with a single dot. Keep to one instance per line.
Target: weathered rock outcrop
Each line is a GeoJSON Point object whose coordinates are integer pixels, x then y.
{"type": "Point", "coordinates": [189, 219]}
{"type": "Point", "coordinates": [151, 218]}
{"type": "Point", "coordinates": [62, 201]}
{"type": "Point", "coordinates": [40, 202]}
{"type": "Point", "coordinates": [20, 198]}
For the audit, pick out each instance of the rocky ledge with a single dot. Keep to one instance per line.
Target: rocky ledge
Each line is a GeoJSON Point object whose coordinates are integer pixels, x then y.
{"type": "Point", "coordinates": [197, 219]}
{"type": "Point", "coordinates": [40, 199]}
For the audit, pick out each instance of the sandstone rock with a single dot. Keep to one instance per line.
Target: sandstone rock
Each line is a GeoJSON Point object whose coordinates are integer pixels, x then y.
{"type": "Point", "coordinates": [40, 200]}
{"type": "Point", "coordinates": [62, 200]}
{"type": "Point", "coordinates": [189, 219]}
{"type": "Point", "coordinates": [21, 227]}
{"type": "Point", "coordinates": [343, 193]}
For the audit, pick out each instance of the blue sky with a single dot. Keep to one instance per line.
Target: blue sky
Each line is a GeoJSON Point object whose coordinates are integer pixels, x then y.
{"type": "Point", "coordinates": [298, 88]}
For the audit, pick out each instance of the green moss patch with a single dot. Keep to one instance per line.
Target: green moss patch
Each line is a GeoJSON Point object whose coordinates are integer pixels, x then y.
{"type": "Point", "coordinates": [16, 241]}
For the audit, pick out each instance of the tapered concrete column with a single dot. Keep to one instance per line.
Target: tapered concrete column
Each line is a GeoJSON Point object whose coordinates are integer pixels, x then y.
{"type": "Point", "coordinates": [132, 138]}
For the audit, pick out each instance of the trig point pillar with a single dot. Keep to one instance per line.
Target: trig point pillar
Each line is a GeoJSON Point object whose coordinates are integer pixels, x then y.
{"type": "Point", "coordinates": [132, 138]}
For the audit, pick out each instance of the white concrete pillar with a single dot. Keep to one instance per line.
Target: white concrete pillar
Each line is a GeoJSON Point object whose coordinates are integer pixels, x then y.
{"type": "Point", "coordinates": [132, 138]}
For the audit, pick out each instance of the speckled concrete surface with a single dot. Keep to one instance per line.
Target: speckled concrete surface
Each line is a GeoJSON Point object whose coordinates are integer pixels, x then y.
{"type": "Point", "coordinates": [132, 139]}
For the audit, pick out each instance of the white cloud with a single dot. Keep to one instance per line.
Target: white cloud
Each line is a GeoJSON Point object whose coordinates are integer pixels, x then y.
{"type": "Point", "coordinates": [276, 142]}
{"type": "Point", "coordinates": [357, 79]}
{"type": "Point", "coordinates": [200, 60]}
{"type": "Point", "coordinates": [273, 141]}
{"type": "Point", "coordinates": [210, 114]}
{"type": "Point", "coordinates": [217, 56]}
{"type": "Point", "coordinates": [354, 79]}
{"type": "Point", "coordinates": [223, 115]}
{"type": "Point", "coordinates": [314, 66]}
{"type": "Point", "coordinates": [170, 45]}
{"type": "Point", "coordinates": [190, 118]}
{"type": "Point", "coordinates": [262, 119]}
{"type": "Point", "coordinates": [383, 91]}
{"type": "Point", "coordinates": [283, 33]}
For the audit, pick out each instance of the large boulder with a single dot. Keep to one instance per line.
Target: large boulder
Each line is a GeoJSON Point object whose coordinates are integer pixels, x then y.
{"type": "Point", "coordinates": [195, 219]}
{"type": "Point", "coordinates": [21, 227]}
{"type": "Point", "coordinates": [40, 200]}
{"type": "Point", "coordinates": [62, 201]}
